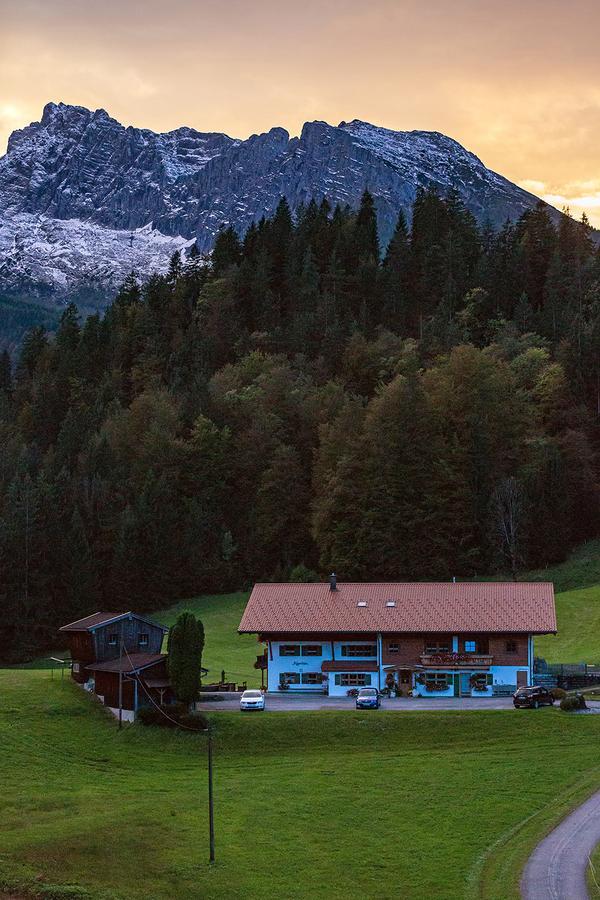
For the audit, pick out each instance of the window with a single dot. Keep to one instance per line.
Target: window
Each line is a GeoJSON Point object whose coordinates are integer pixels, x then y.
{"type": "Point", "coordinates": [312, 650]}
{"type": "Point", "coordinates": [76, 668]}
{"type": "Point", "coordinates": [353, 679]}
{"type": "Point", "coordinates": [143, 640]}
{"type": "Point", "coordinates": [393, 648]}
{"type": "Point", "coordinates": [438, 645]}
{"type": "Point", "coordinates": [354, 650]}
{"type": "Point", "coordinates": [312, 678]}
{"type": "Point", "coordinates": [113, 640]}
{"type": "Point", "coordinates": [289, 678]}
{"type": "Point", "coordinates": [476, 645]}
{"type": "Point", "coordinates": [301, 650]}
{"type": "Point", "coordinates": [511, 646]}
{"type": "Point", "coordinates": [437, 681]}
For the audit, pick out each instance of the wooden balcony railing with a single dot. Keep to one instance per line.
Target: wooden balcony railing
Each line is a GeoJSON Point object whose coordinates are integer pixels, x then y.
{"type": "Point", "coordinates": [457, 660]}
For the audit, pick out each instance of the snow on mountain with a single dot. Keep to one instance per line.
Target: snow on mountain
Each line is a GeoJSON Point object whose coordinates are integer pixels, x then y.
{"type": "Point", "coordinates": [78, 190]}
{"type": "Point", "coordinates": [69, 255]}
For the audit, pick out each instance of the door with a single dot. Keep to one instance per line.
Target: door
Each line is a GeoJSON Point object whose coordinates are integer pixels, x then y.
{"type": "Point", "coordinates": [522, 679]}
{"type": "Point", "coordinates": [456, 684]}
{"type": "Point", "coordinates": [405, 680]}
{"type": "Point", "coordinates": [465, 684]}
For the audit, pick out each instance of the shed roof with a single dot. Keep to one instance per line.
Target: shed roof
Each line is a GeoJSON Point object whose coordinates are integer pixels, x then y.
{"type": "Point", "coordinates": [132, 662]}
{"type": "Point", "coordinates": [526, 607]}
{"type": "Point", "coordinates": [104, 618]}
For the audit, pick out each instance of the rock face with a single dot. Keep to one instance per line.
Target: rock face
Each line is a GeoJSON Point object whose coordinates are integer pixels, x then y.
{"type": "Point", "coordinates": [83, 199]}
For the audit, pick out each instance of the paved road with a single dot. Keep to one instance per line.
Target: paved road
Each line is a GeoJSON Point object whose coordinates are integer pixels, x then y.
{"type": "Point", "coordinates": [557, 867]}
{"type": "Point", "coordinates": [277, 703]}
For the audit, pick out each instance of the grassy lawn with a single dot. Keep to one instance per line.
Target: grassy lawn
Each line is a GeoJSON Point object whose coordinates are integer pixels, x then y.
{"type": "Point", "coordinates": [334, 804]}
{"type": "Point", "coordinates": [578, 638]}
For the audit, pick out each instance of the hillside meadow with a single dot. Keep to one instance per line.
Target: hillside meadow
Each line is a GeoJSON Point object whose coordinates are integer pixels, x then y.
{"type": "Point", "coordinates": [333, 804]}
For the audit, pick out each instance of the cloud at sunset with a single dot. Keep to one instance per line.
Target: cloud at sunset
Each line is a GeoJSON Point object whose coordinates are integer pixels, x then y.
{"type": "Point", "coordinates": [517, 86]}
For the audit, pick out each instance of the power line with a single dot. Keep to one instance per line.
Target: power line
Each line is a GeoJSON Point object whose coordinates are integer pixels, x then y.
{"type": "Point", "coordinates": [211, 814]}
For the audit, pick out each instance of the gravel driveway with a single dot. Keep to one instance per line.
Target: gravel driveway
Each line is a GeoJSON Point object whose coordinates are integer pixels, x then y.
{"type": "Point", "coordinates": [277, 703]}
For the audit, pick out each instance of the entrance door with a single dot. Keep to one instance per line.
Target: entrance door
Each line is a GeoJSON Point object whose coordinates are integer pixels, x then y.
{"type": "Point", "coordinates": [522, 679]}
{"type": "Point", "coordinates": [405, 680]}
{"type": "Point", "coordinates": [465, 684]}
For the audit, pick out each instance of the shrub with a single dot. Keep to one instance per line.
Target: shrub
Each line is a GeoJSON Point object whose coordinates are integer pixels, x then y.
{"type": "Point", "coordinates": [172, 717]}
{"type": "Point", "coordinates": [195, 721]}
{"type": "Point", "coordinates": [571, 704]}
{"type": "Point", "coordinates": [558, 693]}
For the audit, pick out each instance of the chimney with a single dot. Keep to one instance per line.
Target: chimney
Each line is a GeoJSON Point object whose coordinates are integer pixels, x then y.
{"type": "Point", "coordinates": [332, 582]}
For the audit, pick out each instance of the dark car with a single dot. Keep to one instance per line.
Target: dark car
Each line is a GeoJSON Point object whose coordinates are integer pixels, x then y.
{"type": "Point", "coordinates": [532, 697]}
{"type": "Point", "coordinates": [367, 698]}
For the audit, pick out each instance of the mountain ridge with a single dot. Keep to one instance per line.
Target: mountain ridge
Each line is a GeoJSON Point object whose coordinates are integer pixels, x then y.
{"type": "Point", "coordinates": [84, 199]}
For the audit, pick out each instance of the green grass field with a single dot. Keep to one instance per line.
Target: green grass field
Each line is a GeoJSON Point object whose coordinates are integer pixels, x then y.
{"type": "Point", "coordinates": [578, 619]}
{"type": "Point", "coordinates": [333, 804]}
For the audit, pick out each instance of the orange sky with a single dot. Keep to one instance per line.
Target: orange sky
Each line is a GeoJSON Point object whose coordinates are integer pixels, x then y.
{"type": "Point", "coordinates": [515, 81]}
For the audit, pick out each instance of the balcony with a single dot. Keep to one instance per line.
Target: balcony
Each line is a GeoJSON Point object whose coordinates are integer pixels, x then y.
{"type": "Point", "coordinates": [456, 660]}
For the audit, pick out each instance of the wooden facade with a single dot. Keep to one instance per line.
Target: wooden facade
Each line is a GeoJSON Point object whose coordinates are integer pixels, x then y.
{"type": "Point", "coordinates": [137, 686]}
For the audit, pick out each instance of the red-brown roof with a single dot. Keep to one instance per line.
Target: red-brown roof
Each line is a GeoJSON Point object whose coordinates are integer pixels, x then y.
{"type": "Point", "coordinates": [131, 662]}
{"type": "Point", "coordinates": [91, 621]}
{"type": "Point", "coordinates": [103, 618]}
{"type": "Point", "coordinates": [418, 607]}
{"type": "Point", "coordinates": [338, 665]}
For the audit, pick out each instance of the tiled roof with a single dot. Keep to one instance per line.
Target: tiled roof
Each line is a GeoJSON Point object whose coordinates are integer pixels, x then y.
{"type": "Point", "coordinates": [103, 618]}
{"type": "Point", "coordinates": [131, 662]}
{"type": "Point", "coordinates": [401, 607]}
{"type": "Point", "coordinates": [338, 665]}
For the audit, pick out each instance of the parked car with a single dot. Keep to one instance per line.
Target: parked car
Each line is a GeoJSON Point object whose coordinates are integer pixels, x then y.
{"type": "Point", "coordinates": [532, 697]}
{"type": "Point", "coordinates": [252, 700]}
{"type": "Point", "coordinates": [368, 698]}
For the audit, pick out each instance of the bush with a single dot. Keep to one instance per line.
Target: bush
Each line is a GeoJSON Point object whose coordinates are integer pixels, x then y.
{"type": "Point", "coordinates": [195, 721]}
{"type": "Point", "coordinates": [558, 693]}
{"type": "Point", "coordinates": [172, 717]}
{"type": "Point", "coordinates": [571, 704]}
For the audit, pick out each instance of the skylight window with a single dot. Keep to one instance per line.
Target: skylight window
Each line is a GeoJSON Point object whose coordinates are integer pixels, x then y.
{"type": "Point", "coordinates": [362, 603]}
{"type": "Point", "coordinates": [390, 602]}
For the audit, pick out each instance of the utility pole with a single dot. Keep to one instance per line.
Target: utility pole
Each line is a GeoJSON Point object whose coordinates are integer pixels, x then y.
{"type": "Point", "coordinates": [211, 817]}
{"type": "Point", "coordinates": [121, 677]}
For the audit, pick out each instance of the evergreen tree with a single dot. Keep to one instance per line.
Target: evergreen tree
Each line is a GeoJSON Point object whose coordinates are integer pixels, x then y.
{"type": "Point", "coordinates": [185, 644]}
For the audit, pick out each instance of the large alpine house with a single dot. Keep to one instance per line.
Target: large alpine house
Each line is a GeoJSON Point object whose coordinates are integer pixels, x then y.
{"type": "Point", "coordinates": [437, 639]}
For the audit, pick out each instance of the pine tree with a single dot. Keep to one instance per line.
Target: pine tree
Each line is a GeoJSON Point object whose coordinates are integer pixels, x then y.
{"type": "Point", "coordinates": [6, 380]}
{"type": "Point", "coordinates": [227, 252]}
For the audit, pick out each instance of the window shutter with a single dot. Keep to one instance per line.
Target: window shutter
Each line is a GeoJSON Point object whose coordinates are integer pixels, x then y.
{"type": "Point", "coordinates": [338, 679]}
{"type": "Point", "coordinates": [367, 679]}
{"type": "Point", "coordinates": [489, 679]}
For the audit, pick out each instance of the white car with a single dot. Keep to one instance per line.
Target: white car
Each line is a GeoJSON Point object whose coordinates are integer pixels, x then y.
{"type": "Point", "coordinates": [252, 700]}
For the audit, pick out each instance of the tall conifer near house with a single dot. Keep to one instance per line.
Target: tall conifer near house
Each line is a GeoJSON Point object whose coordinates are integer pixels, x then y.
{"type": "Point", "coordinates": [184, 646]}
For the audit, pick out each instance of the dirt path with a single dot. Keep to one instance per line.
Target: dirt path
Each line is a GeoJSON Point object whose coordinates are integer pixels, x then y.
{"type": "Point", "coordinates": [556, 869]}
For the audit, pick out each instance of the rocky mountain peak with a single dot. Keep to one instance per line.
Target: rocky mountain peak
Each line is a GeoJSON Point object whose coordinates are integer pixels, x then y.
{"type": "Point", "coordinates": [79, 189]}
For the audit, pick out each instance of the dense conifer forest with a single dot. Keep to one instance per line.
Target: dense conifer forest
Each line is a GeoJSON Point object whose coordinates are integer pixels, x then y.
{"type": "Point", "coordinates": [311, 401]}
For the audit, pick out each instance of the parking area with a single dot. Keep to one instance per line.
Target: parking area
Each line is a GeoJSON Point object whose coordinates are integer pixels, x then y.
{"type": "Point", "coordinates": [301, 702]}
